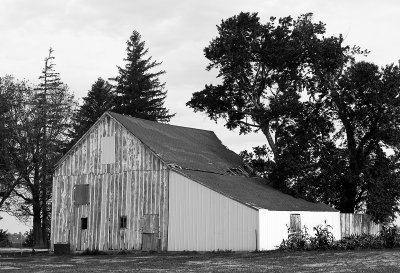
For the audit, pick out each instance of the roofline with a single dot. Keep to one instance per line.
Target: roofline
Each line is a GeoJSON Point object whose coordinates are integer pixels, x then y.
{"type": "Point", "coordinates": [220, 192]}
{"type": "Point", "coordinates": [253, 206]}
{"type": "Point", "coordinates": [107, 113]}
{"type": "Point", "coordinates": [180, 126]}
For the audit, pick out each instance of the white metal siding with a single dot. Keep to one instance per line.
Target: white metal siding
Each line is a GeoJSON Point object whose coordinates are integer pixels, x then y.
{"type": "Point", "coordinates": [274, 225]}
{"type": "Point", "coordinates": [203, 220]}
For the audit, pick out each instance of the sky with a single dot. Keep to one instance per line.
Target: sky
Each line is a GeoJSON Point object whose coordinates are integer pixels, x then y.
{"type": "Point", "coordinates": [89, 40]}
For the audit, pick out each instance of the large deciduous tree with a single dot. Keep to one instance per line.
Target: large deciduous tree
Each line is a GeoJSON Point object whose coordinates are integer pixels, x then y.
{"type": "Point", "coordinates": [328, 120]}
{"type": "Point", "coordinates": [139, 91]}
{"type": "Point", "coordinates": [38, 124]}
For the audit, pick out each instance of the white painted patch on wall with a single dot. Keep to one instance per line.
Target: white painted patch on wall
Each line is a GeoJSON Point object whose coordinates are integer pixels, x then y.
{"type": "Point", "coordinates": [108, 150]}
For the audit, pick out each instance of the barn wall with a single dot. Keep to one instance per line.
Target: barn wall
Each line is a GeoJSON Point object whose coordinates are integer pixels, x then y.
{"type": "Point", "coordinates": [274, 225]}
{"type": "Point", "coordinates": [203, 220]}
{"type": "Point", "coordinates": [135, 185]}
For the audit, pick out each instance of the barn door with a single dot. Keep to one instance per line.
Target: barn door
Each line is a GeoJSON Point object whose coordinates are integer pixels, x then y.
{"type": "Point", "coordinates": [295, 223]}
{"type": "Point", "coordinates": [150, 228]}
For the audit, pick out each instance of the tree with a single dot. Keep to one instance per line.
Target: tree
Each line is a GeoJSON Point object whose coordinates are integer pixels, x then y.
{"type": "Point", "coordinates": [323, 114]}
{"type": "Point", "coordinates": [98, 100]}
{"type": "Point", "coordinates": [38, 125]}
{"type": "Point", "coordinates": [139, 92]}
{"type": "Point", "coordinates": [11, 95]}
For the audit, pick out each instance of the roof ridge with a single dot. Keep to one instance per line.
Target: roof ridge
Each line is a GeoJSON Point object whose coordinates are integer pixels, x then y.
{"type": "Point", "coordinates": [160, 123]}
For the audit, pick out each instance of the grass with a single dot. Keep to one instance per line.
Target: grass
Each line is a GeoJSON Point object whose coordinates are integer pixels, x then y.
{"type": "Point", "coordinates": [275, 261]}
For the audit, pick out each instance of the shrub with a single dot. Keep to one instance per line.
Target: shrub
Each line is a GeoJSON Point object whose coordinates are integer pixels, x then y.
{"type": "Point", "coordinates": [4, 240]}
{"type": "Point", "coordinates": [29, 240]}
{"type": "Point", "coordinates": [390, 236]}
{"type": "Point", "coordinates": [323, 237]}
{"type": "Point", "coordinates": [296, 240]}
{"type": "Point", "coordinates": [360, 241]}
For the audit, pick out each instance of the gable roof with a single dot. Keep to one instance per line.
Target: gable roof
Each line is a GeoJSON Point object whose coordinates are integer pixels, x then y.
{"type": "Point", "coordinates": [188, 148]}
{"type": "Point", "coordinates": [201, 156]}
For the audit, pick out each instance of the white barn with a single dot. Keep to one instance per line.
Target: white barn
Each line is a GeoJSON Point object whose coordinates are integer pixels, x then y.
{"type": "Point", "coordinates": [131, 184]}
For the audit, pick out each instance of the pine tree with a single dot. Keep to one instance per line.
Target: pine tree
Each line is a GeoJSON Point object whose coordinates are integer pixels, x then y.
{"type": "Point", "coordinates": [98, 100]}
{"type": "Point", "coordinates": [139, 92]}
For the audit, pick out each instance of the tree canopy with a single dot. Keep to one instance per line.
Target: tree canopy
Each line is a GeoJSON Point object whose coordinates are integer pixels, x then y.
{"type": "Point", "coordinates": [328, 120]}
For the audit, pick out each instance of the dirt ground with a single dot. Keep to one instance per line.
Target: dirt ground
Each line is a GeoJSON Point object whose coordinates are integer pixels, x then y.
{"type": "Point", "coordinates": [274, 261]}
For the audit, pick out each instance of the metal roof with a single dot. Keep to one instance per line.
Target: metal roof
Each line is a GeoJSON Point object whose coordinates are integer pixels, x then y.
{"type": "Point", "coordinates": [201, 156]}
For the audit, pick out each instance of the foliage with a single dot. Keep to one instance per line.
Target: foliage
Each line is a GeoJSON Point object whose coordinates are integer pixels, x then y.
{"type": "Point", "coordinates": [4, 240]}
{"type": "Point", "coordinates": [38, 122]}
{"type": "Point", "coordinates": [327, 119]}
{"type": "Point", "coordinates": [139, 92]}
{"type": "Point", "coordinates": [389, 237]}
{"type": "Point", "coordinates": [29, 239]}
{"type": "Point", "coordinates": [360, 241]}
{"type": "Point", "coordinates": [297, 240]}
{"type": "Point", "coordinates": [323, 239]}
{"type": "Point", "coordinates": [98, 100]}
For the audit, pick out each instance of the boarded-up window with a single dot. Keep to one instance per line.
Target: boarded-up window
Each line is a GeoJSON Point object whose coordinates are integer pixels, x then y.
{"type": "Point", "coordinates": [295, 223]}
{"type": "Point", "coordinates": [108, 150]}
{"type": "Point", "coordinates": [81, 194]}
{"type": "Point", "coordinates": [123, 222]}
{"type": "Point", "coordinates": [84, 223]}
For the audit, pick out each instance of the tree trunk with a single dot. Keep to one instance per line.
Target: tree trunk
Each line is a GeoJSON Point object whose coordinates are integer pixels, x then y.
{"type": "Point", "coordinates": [37, 221]}
{"type": "Point", "coordinates": [265, 129]}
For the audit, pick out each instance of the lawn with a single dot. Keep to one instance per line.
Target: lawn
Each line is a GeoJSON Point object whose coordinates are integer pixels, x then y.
{"type": "Point", "coordinates": [274, 261]}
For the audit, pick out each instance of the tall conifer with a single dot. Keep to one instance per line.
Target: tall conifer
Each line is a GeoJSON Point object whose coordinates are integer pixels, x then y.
{"type": "Point", "coordinates": [139, 91]}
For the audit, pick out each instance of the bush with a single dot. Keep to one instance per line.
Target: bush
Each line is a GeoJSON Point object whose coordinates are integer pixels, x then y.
{"type": "Point", "coordinates": [390, 236]}
{"type": "Point", "coordinates": [29, 240]}
{"type": "Point", "coordinates": [360, 241]}
{"type": "Point", "coordinates": [323, 239]}
{"type": "Point", "coordinates": [4, 240]}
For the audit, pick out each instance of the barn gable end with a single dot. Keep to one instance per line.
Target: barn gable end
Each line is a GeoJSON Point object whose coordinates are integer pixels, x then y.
{"type": "Point", "coordinates": [135, 185]}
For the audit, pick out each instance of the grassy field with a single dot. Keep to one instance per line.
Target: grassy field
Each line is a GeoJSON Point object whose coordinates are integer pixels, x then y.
{"type": "Point", "coordinates": [275, 261]}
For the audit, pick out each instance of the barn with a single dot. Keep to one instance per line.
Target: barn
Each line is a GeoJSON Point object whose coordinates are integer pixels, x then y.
{"type": "Point", "coordinates": [133, 184]}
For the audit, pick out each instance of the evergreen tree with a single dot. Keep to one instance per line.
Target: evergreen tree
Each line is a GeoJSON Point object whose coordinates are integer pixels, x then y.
{"type": "Point", "coordinates": [139, 92]}
{"type": "Point", "coordinates": [98, 100]}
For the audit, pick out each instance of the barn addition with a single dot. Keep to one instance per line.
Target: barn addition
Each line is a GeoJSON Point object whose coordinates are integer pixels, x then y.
{"type": "Point", "coordinates": [133, 184]}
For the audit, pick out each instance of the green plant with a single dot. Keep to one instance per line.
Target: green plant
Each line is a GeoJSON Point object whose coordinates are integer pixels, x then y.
{"type": "Point", "coordinates": [390, 236]}
{"type": "Point", "coordinates": [296, 240]}
{"type": "Point", "coordinates": [323, 237]}
{"type": "Point", "coordinates": [29, 239]}
{"type": "Point", "coordinates": [4, 240]}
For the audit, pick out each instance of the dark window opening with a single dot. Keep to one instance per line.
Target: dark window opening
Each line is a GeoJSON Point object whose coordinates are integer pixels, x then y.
{"type": "Point", "coordinates": [123, 222]}
{"type": "Point", "coordinates": [84, 223]}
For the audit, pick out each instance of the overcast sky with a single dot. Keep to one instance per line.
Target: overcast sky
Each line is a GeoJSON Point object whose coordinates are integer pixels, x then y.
{"type": "Point", "coordinates": [88, 38]}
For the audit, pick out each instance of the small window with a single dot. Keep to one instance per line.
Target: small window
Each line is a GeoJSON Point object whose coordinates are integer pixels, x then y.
{"type": "Point", "coordinates": [295, 223]}
{"type": "Point", "coordinates": [81, 194]}
{"type": "Point", "coordinates": [123, 222]}
{"type": "Point", "coordinates": [107, 150]}
{"type": "Point", "coordinates": [84, 223]}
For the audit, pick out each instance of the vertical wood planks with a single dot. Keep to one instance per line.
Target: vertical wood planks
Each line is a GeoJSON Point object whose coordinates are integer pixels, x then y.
{"type": "Point", "coordinates": [136, 184]}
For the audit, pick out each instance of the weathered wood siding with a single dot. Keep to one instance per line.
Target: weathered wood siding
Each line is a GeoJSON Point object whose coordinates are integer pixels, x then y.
{"type": "Point", "coordinates": [358, 224]}
{"type": "Point", "coordinates": [135, 185]}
